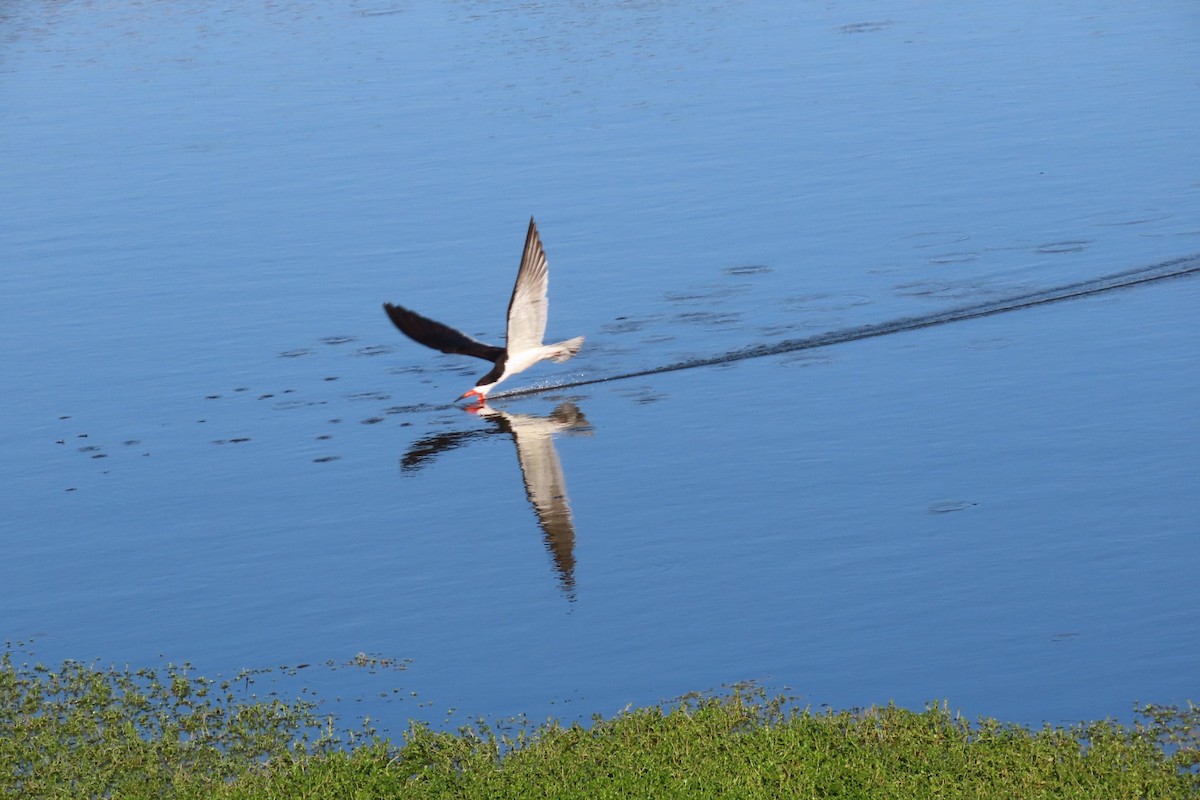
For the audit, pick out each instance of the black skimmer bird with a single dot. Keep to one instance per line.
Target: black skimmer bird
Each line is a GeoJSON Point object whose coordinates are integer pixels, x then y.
{"type": "Point", "coordinates": [527, 313]}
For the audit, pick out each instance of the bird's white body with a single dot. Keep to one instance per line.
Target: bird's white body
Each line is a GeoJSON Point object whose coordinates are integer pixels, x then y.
{"type": "Point", "coordinates": [528, 310]}
{"type": "Point", "coordinates": [524, 359]}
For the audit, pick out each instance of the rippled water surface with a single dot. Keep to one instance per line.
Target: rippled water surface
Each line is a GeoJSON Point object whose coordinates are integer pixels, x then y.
{"type": "Point", "coordinates": [218, 450]}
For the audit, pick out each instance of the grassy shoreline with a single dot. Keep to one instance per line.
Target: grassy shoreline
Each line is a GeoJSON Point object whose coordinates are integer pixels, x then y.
{"type": "Point", "coordinates": [79, 730]}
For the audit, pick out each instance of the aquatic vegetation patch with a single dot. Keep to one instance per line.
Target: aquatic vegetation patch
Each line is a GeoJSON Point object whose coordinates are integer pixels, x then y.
{"type": "Point", "coordinates": [84, 731]}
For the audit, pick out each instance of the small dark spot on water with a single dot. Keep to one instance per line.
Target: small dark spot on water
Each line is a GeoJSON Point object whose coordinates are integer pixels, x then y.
{"type": "Point", "coordinates": [325, 459]}
{"type": "Point", "coordinates": [373, 350]}
{"type": "Point", "coordinates": [242, 389]}
{"type": "Point", "coordinates": [704, 293]}
{"type": "Point", "coordinates": [91, 448]}
{"type": "Point", "coordinates": [950, 506]}
{"type": "Point", "coordinates": [334, 421]}
{"type": "Point", "coordinates": [372, 420]}
{"type": "Point", "coordinates": [954, 258]}
{"type": "Point", "coordinates": [865, 27]}
{"type": "Point", "coordinates": [334, 378]}
{"type": "Point", "coordinates": [238, 440]}
{"type": "Point", "coordinates": [678, 297]}
{"type": "Point", "coordinates": [212, 397]}
{"type": "Point", "coordinates": [61, 441]}
{"type": "Point", "coordinates": [303, 351]}
{"type": "Point", "coordinates": [100, 455]}
{"type": "Point", "coordinates": [288, 391]}
{"type": "Point", "coordinates": [625, 325]}
{"type": "Point", "coordinates": [748, 269]}
{"type": "Point", "coordinates": [339, 339]}
{"type": "Point", "coordinates": [708, 318]}
{"type": "Point", "coordinates": [1073, 246]}
{"type": "Point", "coordinates": [131, 442]}
{"type": "Point", "coordinates": [266, 396]}
{"type": "Point", "coordinates": [642, 395]}
{"type": "Point", "coordinates": [82, 436]}
{"type": "Point", "coordinates": [323, 437]}
{"type": "Point", "coordinates": [288, 405]}
{"type": "Point", "coordinates": [66, 417]}
{"type": "Point", "coordinates": [71, 489]}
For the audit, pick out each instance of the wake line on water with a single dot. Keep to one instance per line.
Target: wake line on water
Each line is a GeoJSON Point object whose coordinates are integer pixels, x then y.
{"type": "Point", "coordinates": [1175, 268]}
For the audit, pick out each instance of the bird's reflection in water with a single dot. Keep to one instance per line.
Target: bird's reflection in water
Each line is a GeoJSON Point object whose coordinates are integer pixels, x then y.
{"type": "Point", "coordinates": [541, 469]}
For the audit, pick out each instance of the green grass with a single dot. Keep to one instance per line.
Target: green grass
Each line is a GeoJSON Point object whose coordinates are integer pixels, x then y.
{"type": "Point", "coordinates": [80, 731]}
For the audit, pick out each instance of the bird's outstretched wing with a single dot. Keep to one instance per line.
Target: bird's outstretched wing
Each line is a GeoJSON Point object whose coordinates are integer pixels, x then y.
{"type": "Point", "coordinates": [438, 336]}
{"type": "Point", "coordinates": [529, 308]}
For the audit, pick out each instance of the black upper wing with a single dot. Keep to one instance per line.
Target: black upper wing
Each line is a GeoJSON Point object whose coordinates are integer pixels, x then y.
{"type": "Point", "coordinates": [438, 336]}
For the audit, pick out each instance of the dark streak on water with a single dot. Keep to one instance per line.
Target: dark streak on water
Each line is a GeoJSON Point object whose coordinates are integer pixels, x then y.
{"type": "Point", "coordinates": [1175, 268]}
{"type": "Point", "coordinates": [1167, 270]}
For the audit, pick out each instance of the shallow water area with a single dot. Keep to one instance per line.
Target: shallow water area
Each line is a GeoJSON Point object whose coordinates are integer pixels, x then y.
{"type": "Point", "coordinates": [219, 451]}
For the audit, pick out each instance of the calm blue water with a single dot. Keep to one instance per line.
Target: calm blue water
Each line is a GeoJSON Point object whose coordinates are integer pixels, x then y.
{"type": "Point", "coordinates": [213, 453]}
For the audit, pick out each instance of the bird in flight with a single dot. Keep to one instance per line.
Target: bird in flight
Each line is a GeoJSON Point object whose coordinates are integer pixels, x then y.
{"type": "Point", "coordinates": [527, 312]}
